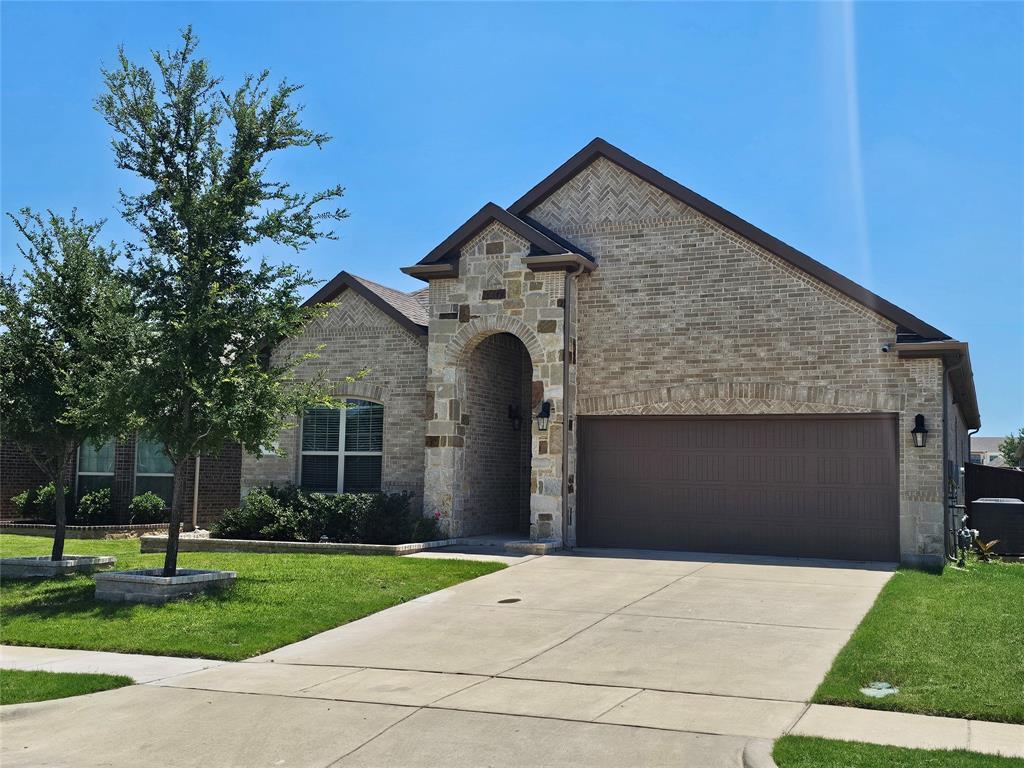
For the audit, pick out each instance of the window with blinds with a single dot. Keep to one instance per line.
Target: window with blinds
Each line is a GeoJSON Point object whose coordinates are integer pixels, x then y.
{"type": "Point", "coordinates": [342, 448]}
{"type": "Point", "coordinates": [95, 468]}
{"type": "Point", "coordinates": [153, 471]}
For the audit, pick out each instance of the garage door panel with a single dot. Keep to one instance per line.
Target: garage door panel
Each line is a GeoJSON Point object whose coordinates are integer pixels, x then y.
{"type": "Point", "coordinates": [814, 487]}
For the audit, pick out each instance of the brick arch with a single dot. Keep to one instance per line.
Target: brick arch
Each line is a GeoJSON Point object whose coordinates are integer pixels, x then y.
{"type": "Point", "coordinates": [461, 346]}
{"type": "Point", "coordinates": [360, 390]}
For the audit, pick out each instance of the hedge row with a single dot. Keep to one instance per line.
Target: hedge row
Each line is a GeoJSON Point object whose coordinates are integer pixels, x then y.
{"type": "Point", "coordinates": [290, 514]}
{"type": "Point", "coordinates": [94, 508]}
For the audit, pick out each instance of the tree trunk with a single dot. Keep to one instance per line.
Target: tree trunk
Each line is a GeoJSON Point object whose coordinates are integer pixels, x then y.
{"type": "Point", "coordinates": [179, 504]}
{"type": "Point", "coordinates": [60, 517]}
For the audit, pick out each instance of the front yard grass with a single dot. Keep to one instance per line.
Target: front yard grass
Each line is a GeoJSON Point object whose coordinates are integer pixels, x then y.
{"type": "Point", "coordinates": [18, 686]}
{"type": "Point", "coordinates": [952, 643]}
{"type": "Point", "coordinates": [806, 752]}
{"type": "Point", "coordinates": [277, 599]}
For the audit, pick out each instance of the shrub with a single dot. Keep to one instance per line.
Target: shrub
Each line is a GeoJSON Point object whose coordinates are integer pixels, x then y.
{"type": "Point", "coordinates": [289, 514]}
{"type": "Point", "coordinates": [259, 510]}
{"type": "Point", "coordinates": [426, 529]}
{"type": "Point", "coordinates": [25, 502]}
{"type": "Point", "coordinates": [390, 520]}
{"type": "Point", "coordinates": [147, 508]}
{"type": "Point", "coordinates": [39, 503]}
{"type": "Point", "coordinates": [95, 508]}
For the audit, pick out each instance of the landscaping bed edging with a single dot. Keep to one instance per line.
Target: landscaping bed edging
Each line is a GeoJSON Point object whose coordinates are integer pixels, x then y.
{"type": "Point", "coordinates": [42, 566]}
{"type": "Point", "coordinates": [150, 544]}
{"type": "Point", "coordinates": [151, 586]}
{"type": "Point", "coordinates": [80, 531]}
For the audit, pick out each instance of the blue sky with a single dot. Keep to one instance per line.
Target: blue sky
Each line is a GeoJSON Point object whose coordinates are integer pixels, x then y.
{"type": "Point", "coordinates": [885, 140]}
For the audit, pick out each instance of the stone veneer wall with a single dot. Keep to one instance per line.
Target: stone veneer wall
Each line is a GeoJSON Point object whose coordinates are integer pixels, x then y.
{"type": "Point", "coordinates": [496, 483]}
{"type": "Point", "coordinates": [356, 335]}
{"type": "Point", "coordinates": [685, 317]}
{"type": "Point", "coordinates": [494, 293]}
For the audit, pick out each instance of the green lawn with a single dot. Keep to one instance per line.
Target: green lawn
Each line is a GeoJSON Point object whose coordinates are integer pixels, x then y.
{"type": "Point", "coordinates": [952, 643]}
{"type": "Point", "coordinates": [804, 752]}
{"type": "Point", "coordinates": [276, 600]}
{"type": "Point", "coordinates": [19, 686]}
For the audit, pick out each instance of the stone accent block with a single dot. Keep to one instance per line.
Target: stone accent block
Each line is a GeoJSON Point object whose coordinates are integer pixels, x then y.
{"type": "Point", "coordinates": [149, 586]}
{"type": "Point", "coordinates": [44, 567]}
{"type": "Point", "coordinates": [151, 544]}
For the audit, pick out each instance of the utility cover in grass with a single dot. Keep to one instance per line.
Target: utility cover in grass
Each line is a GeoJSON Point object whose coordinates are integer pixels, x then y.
{"type": "Point", "coordinates": [879, 690]}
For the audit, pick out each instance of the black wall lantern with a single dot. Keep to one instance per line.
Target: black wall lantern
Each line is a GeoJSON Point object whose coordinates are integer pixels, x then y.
{"type": "Point", "coordinates": [544, 416]}
{"type": "Point", "coordinates": [919, 432]}
{"type": "Point", "coordinates": [515, 416]}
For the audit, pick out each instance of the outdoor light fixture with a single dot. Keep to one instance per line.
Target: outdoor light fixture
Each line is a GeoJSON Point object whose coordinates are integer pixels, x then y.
{"type": "Point", "coordinates": [544, 416]}
{"type": "Point", "coordinates": [919, 432]}
{"type": "Point", "coordinates": [515, 416]}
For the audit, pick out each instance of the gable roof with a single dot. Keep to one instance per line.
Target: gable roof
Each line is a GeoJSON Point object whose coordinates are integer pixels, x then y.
{"type": "Point", "coordinates": [408, 309]}
{"type": "Point", "coordinates": [445, 257]}
{"type": "Point", "coordinates": [986, 444]}
{"type": "Point", "coordinates": [906, 323]}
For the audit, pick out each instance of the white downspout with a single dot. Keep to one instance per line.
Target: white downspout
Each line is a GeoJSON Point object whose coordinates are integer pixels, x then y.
{"type": "Point", "coordinates": [195, 498]}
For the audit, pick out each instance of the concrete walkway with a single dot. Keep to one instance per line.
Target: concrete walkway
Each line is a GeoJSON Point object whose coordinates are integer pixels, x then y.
{"type": "Point", "coordinates": [591, 658]}
{"type": "Point", "coordinates": [139, 667]}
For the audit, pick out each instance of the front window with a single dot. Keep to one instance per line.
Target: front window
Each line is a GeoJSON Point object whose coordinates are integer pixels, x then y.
{"type": "Point", "coordinates": [342, 449]}
{"type": "Point", "coordinates": [153, 470]}
{"type": "Point", "coordinates": [95, 467]}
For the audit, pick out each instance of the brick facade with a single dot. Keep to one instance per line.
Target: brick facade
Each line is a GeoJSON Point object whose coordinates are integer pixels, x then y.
{"type": "Point", "coordinates": [17, 473]}
{"type": "Point", "coordinates": [686, 317]}
{"type": "Point", "coordinates": [354, 336]}
{"type": "Point", "coordinates": [219, 479]}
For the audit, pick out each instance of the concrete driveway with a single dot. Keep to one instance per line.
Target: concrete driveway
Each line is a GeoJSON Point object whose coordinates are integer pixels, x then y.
{"type": "Point", "coordinates": [592, 658]}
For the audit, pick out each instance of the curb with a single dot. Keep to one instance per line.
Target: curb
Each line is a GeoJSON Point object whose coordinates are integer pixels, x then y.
{"type": "Point", "coordinates": [149, 544]}
{"type": "Point", "coordinates": [758, 754]}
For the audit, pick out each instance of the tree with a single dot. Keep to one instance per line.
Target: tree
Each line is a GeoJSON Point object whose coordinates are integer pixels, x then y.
{"type": "Point", "coordinates": [1010, 446]}
{"type": "Point", "coordinates": [65, 336]}
{"type": "Point", "coordinates": [209, 314]}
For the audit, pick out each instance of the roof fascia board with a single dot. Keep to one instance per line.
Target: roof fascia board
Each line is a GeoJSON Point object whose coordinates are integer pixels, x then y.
{"type": "Point", "coordinates": [601, 148]}
{"type": "Point", "coordinates": [956, 358]}
{"type": "Point", "coordinates": [429, 271]}
{"type": "Point", "coordinates": [477, 222]}
{"type": "Point", "coordinates": [559, 261]}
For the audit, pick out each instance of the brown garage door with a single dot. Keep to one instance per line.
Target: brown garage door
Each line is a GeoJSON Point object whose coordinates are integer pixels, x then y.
{"type": "Point", "coordinates": [791, 485]}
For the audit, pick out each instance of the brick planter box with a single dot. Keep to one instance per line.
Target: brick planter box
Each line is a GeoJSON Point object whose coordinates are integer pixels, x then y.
{"type": "Point", "coordinates": [150, 544]}
{"type": "Point", "coordinates": [43, 567]}
{"type": "Point", "coordinates": [81, 531]}
{"type": "Point", "coordinates": [149, 586]}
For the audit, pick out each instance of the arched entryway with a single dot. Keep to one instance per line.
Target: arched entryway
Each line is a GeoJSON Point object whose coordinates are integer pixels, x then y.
{"type": "Point", "coordinates": [498, 419]}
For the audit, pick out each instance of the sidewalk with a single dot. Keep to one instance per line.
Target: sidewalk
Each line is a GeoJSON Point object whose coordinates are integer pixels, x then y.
{"type": "Point", "coordinates": [845, 723]}
{"type": "Point", "coordinates": [141, 668]}
{"type": "Point", "coordinates": [899, 729]}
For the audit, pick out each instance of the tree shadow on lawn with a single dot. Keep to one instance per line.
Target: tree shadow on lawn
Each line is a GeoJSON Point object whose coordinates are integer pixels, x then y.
{"type": "Point", "coordinates": [73, 596]}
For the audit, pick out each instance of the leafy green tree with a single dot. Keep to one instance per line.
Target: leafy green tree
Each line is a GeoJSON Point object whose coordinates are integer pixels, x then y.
{"type": "Point", "coordinates": [1010, 446]}
{"type": "Point", "coordinates": [209, 313]}
{"type": "Point", "coordinates": [65, 336]}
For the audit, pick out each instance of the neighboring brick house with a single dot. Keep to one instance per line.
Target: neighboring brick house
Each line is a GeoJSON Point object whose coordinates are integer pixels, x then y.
{"type": "Point", "coordinates": [128, 467]}
{"type": "Point", "coordinates": [614, 360]}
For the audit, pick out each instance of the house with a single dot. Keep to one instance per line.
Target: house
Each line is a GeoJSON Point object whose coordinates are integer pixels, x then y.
{"type": "Point", "coordinates": [615, 361]}
{"type": "Point", "coordinates": [985, 450]}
